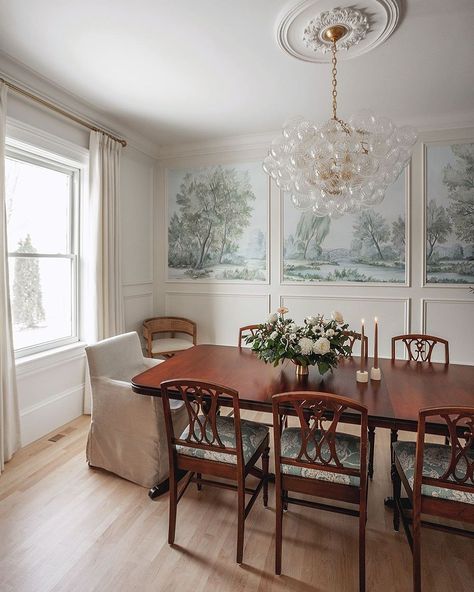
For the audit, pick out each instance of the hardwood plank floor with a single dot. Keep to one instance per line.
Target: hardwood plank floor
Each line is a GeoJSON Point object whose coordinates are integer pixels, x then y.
{"type": "Point", "coordinates": [65, 527]}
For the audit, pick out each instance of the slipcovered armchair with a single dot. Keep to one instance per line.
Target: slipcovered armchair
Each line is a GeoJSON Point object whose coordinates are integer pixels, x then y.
{"type": "Point", "coordinates": [127, 435]}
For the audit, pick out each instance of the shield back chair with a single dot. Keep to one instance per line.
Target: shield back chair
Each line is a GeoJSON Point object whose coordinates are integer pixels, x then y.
{"type": "Point", "coordinates": [316, 459]}
{"type": "Point", "coordinates": [127, 434]}
{"type": "Point", "coordinates": [419, 348]}
{"type": "Point", "coordinates": [438, 478]}
{"type": "Point", "coordinates": [215, 445]}
{"type": "Point", "coordinates": [352, 337]}
{"type": "Point", "coordinates": [168, 345]}
{"type": "Point", "coordinates": [245, 331]}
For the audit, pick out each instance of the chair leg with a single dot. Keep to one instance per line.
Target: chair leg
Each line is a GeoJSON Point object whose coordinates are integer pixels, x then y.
{"type": "Point", "coordinates": [265, 462]}
{"type": "Point", "coordinates": [279, 526]}
{"type": "Point", "coordinates": [371, 451]}
{"type": "Point", "coordinates": [397, 485]}
{"type": "Point", "coordinates": [240, 519]}
{"type": "Point", "coordinates": [198, 476]}
{"type": "Point", "coordinates": [362, 522]}
{"type": "Point", "coordinates": [416, 552]}
{"type": "Point", "coordinates": [173, 484]}
{"type": "Point", "coordinates": [393, 438]}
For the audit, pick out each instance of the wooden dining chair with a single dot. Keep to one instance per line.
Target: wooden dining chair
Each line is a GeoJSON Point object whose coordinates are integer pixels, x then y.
{"type": "Point", "coordinates": [352, 337]}
{"type": "Point", "coordinates": [245, 331]}
{"type": "Point", "coordinates": [420, 347]}
{"type": "Point", "coordinates": [438, 479]}
{"type": "Point", "coordinates": [168, 346]}
{"type": "Point", "coordinates": [316, 459]}
{"type": "Point", "coordinates": [220, 446]}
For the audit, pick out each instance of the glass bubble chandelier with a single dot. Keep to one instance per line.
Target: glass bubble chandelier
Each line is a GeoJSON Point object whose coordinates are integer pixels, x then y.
{"type": "Point", "coordinates": [338, 167]}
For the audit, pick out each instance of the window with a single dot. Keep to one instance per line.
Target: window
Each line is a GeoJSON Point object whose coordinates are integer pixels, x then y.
{"type": "Point", "coordinates": [42, 217]}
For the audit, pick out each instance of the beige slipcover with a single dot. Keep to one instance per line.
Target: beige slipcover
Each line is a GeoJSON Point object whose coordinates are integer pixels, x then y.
{"type": "Point", "coordinates": [127, 434]}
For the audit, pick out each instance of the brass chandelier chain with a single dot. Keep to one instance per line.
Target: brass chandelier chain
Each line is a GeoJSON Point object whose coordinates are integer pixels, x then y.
{"type": "Point", "coordinates": [343, 124]}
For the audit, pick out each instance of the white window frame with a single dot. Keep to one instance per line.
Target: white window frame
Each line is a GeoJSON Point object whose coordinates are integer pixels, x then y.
{"type": "Point", "coordinates": [34, 154]}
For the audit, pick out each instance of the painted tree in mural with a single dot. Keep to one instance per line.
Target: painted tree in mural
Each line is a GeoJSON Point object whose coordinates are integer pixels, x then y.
{"type": "Point", "coordinates": [438, 226]}
{"type": "Point", "coordinates": [311, 230]}
{"type": "Point", "coordinates": [398, 236]}
{"type": "Point", "coordinates": [215, 207]}
{"type": "Point", "coordinates": [27, 302]}
{"type": "Point", "coordinates": [371, 229]}
{"type": "Point", "coordinates": [460, 182]}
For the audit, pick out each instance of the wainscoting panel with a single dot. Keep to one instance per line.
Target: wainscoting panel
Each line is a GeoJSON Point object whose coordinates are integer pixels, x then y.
{"type": "Point", "coordinates": [393, 315]}
{"type": "Point", "coordinates": [453, 320]}
{"type": "Point", "coordinates": [138, 306]}
{"type": "Point", "coordinates": [218, 316]}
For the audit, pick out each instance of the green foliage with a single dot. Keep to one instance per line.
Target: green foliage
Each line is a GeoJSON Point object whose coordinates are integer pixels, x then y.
{"type": "Point", "coordinates": [313, 230]}
{"type": "Point", "coordinates": [438, 226]}
{"type": "Point", "coordinates": [27, 301]}
{"type": "Point", "coordinates": [371, 229]}
{"type": "Point", "coordinates": [317, 342]}
{"type": "Point", "coordinates": [460, 182]}
{"type": "Point", "coordinates": [398, 236]}
{"type": "Point", "coordinates": [243, 273]}
{"type": "Point", "coordinates": [215, 207]}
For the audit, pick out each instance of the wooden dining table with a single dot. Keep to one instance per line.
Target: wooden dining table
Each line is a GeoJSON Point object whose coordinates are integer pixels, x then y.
{"type": "Point", "coordinates": [392, 402]}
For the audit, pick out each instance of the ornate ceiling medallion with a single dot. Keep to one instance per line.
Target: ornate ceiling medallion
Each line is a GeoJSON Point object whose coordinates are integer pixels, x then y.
{"type": "Point", "coordinates": [301, 29]}
{"type": "Point", "coordinates": [353, 25]}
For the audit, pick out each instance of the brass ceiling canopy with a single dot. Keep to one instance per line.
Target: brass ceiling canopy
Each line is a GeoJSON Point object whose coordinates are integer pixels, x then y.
{"type": "Point", "coordinates": [334, 33]}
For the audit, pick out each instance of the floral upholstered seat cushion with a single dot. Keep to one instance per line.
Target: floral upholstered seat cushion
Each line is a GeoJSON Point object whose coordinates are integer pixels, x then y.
{"type": "Point", "coordinates": [347, 448]}
{"type": "Point", "coordinates": [436, 461]}
{"type": "Point", "coordinates": [253, 435]}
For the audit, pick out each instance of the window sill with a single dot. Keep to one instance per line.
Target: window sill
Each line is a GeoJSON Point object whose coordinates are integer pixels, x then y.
{"type": "Point", "coordinates": [52, 357]}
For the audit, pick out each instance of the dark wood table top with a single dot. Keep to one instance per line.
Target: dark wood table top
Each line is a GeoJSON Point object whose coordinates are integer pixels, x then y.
{"type": "Point", "coordinates": [394, 401]}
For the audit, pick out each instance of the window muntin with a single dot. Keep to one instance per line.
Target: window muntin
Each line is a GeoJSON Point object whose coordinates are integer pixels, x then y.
{"type": "Point", "coordinates": [42, 217]}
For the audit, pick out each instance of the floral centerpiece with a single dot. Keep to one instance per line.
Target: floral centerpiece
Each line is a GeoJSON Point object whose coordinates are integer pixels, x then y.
{"type": "Point", "coordinates": [318, 341]}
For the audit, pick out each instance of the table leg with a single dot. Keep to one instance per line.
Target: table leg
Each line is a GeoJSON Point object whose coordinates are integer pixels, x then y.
{"type": "Point", "coordinates": [371, 451]}
{"type": "Point", "coordinates": [163, 487]}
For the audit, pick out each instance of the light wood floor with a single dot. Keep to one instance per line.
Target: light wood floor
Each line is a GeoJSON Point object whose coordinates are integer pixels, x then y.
{"type": "Point", "coordinates": [65, 527]}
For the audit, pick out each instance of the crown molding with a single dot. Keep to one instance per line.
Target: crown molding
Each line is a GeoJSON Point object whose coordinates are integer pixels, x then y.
{"type": "Point", "coordinates": [18, 73]}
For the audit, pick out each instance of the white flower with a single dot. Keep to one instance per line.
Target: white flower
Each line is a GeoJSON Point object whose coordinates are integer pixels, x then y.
{"type": "Point", "coordinates": [293, 336]}
{"type": "Point", "coordinates": [337, 316]}
{"type": "Point", "coordinates": [330, 333]}
{"type": "Point", "coordinates": [322, 346]}
{"type": "Point", "coordinates": [306, 346]}
{"type": "Point", "coordinates": [274, 335]}
{"type": "Point", "coordinates": [272, 318]}
{"type": "Point", "coordinates": [312, 320]}
{"type": "Point", "coordinates": [318, 329]}
{"type": "Point", "coordinates": [291, 328]}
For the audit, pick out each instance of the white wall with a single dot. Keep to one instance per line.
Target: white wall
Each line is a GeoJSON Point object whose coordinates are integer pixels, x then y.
{"type": "Point", "coordinates": [220, 308]}
{"type": "Point", "coordinates": [51, 385]}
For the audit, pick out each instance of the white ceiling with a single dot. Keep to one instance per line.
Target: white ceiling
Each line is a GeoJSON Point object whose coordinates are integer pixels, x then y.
{"type": "Point", "coordinates": [190, 70]}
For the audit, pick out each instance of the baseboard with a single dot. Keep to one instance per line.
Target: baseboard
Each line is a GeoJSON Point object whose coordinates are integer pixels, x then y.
{"type": "Point", "coordinates": [44, 417]}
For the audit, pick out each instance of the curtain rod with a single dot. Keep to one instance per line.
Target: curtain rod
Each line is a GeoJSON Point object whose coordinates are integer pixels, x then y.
{"type": "Point", "coordinates": [57, 109]}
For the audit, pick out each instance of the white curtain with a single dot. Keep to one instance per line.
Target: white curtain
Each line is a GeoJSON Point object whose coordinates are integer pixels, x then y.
{"type": "Point", "coordinates": [9, 413]}
{"type": "Point", "coordinates": [102, 296]}
{"type": "Point", "coordinates": [106, 306]}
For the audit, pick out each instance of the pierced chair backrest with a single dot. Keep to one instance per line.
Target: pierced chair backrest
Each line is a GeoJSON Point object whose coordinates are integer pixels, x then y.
{"type": "Point", "coordinates": [245, 331]}
{"type": "Point", "coordinates": [319, 415]}
{"type": "Point", "coordinates": [459, 473]}
{"type": "Point", "coordinates": [352, 337]}
{"type": "Point", "coordinates": [420, 347]}
{"type": "Point", "coordinates": [201, 400]}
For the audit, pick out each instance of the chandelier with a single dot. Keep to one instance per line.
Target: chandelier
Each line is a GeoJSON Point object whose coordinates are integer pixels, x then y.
{"type": "Point", "coordinates": [339, 166]}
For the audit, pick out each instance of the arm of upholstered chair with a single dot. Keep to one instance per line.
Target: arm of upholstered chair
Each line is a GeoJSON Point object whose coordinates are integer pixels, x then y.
{"type": "Point", "coordinates": [128, 434]}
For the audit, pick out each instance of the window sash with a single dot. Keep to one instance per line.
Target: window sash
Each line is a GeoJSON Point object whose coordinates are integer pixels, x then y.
{"type": "Point", "coordinates": [23, 155]}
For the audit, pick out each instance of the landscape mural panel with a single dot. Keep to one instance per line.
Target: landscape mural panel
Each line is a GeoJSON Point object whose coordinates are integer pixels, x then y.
{"type": "Point", "coordinates": [449, 214]}
{"type": "Point", "coordinates": [218, 223]}
{"type": "Point", "coordinates": [368, 247]}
